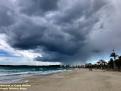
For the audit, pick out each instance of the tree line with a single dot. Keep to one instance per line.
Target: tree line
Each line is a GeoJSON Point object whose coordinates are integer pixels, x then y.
{"type": "Point", "coordinates": [113, 64]}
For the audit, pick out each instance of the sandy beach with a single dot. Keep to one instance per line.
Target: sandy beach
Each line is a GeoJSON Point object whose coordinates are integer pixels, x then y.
{"type": "Point", "coordinates": [77, 80]}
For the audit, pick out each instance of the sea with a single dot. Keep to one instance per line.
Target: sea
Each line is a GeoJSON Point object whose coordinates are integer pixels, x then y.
{"type": "Point", "coordinates": [17, 74]}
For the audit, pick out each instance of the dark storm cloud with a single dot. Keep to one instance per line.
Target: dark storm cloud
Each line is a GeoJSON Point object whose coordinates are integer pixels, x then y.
{"type": "Point", "coordinates": [37, 7]}
{"type": "Point", "coordinates": [6, 17]}
{"type": "Point", "coordinates": [50, 39]}
{"type": "Point", "coordinates": [60, 30]}
{"type": "Point", "coordinates": [78, 9]}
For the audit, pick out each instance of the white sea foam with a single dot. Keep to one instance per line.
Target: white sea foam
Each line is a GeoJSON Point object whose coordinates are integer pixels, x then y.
{"type": "Point", "coordinates": [8, 76]}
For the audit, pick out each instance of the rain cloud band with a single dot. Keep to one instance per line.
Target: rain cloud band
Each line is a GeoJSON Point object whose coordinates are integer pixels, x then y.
{"type": "Point", "coordinates": [60, 30]}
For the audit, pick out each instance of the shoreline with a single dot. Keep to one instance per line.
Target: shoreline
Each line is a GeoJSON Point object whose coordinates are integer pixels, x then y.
{"type": "Point", "coordinates": [20, 77]}
{"type": "Point", "coordinates": [77, 80]}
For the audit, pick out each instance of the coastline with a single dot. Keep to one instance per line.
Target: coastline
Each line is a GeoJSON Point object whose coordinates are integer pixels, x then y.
{"type": "Point", "coordinates": [15, 74]}
{"type": "Point", "coordinates": [77, 80]}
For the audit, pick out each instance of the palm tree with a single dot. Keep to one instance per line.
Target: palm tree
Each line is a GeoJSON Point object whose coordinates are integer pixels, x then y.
{"type": "Point", "coordinates": [114, 55]}
{"type": "Point", "coordinates": [102, 63]}
{"type": "Point", "coordinates": [110, 63]}
{"type": "Point", "coordinates": [118, 62]}
{"type": "Point", "coordinates": [98, 63]}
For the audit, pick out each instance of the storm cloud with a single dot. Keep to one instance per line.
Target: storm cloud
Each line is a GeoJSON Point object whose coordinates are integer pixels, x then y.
{"type": "Point", "coordinates": [68, 31]}
{"type": "Point", "coordinates": [37, 7]}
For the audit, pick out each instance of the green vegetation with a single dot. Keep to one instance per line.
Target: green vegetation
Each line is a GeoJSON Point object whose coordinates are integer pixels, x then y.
{"type": "Point", "coordinates": [113, 64]}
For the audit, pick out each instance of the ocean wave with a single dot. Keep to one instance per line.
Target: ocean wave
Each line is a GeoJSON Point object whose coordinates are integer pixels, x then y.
{"type": "Point", "coordinates": [13, 77]}
{"type": "Point", "coordinates": [30, 72]}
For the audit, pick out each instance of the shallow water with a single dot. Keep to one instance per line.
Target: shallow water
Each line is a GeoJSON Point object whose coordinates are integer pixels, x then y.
{"type": "Point", "coordinates": [16, 74]}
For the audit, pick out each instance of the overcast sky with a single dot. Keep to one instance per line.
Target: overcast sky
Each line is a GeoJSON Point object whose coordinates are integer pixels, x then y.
{"type": "Point", "coordinates": [58, 31]}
